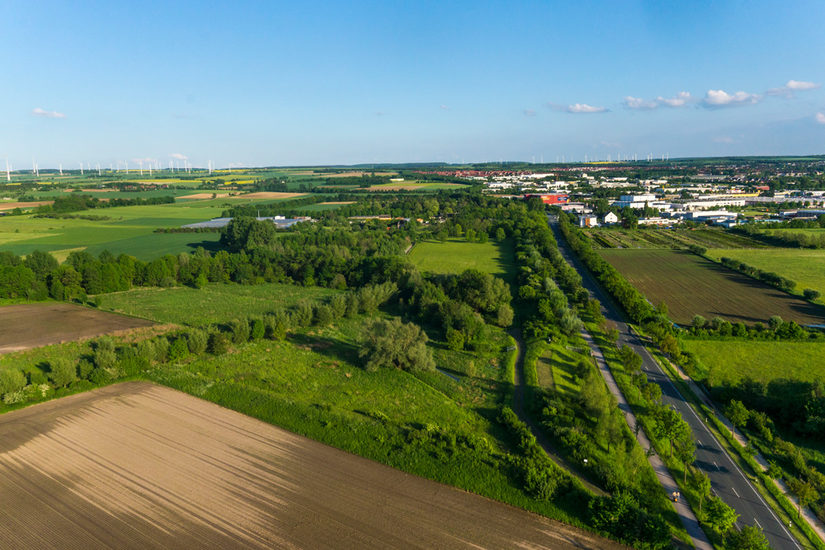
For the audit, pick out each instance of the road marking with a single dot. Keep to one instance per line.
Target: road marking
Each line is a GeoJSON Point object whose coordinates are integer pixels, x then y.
{"type": "Point", "coordinates": [757, 523]}
{"type": "Point", "coordinates": [735, 493]}
{"type": "Point", "coordinates": [717, 466]}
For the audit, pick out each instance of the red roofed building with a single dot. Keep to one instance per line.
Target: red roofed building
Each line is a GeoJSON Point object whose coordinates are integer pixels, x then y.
{"type": "Point", "coordinates": [549, 198]}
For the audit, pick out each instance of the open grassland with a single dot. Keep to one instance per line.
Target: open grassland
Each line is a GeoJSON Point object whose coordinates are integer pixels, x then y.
{"type": "Point", "coordinates": [141, 466]}
{"type": "Point", "coordinates": [804, 266]}
{"type": "Point", "coordinates": [210, 304]}
{"type": "Point", "coordinates": [123, 229]}
{"type": "Point", "coordinates": [668, 238]}
{"type": "Point", "coordinates": [33, 325]}
{"type": "Point", "coordinates": [760, 360]}
{"type": "Point", "coordinates": [690, 285]}
{"type": "Point", "coordinates": [455, 255]}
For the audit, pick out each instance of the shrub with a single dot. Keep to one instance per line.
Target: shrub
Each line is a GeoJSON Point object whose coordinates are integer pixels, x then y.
{"type": "Point", "coordinates": [218, 343]}
{"type": "Point", "coordinates": [37, 377]}
{"type": "Point", "coordinates": [239, 330]}
{"type": "Point", "coordinates": [455, 339]}
{"type": "Point", "coordinates": [196, 341]}
{"type": "Point", "coordinates": [323, 315]}
{"type": "Point", "coordinates": [161, 348]}
{"type": "Point", "coordinates": [131, 363]}
{"type": "Point", "coordinates": [257, 330]}
{"type": "Point", "coordinates": [11, 380]}
{"type": "Point", "coordinates": [84, 369]}
{"type": "Point", "coordinates": [62, 372]}
{"type": "Point", "coordinates": [179, 349]}
{"type": "Point", "coordinates": [810, 294]}
{"type": "Point", "coordinates": [104, 355]}
{"type": "Point", "coordinates": [394, 344]}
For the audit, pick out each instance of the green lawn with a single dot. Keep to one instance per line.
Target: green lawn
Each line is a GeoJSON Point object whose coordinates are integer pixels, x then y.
{"type": "Point", "coordinates": [765, 361]}
{"type": "Point", "coordinates": [805, 266]}
{"type": "Point", "coordinates": [211, 304]}
{"type": "Point", "coordinates": [455, 256]}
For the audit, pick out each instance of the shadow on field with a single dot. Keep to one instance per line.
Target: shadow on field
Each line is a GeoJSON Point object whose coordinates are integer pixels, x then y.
{"type": "Point", "coordinates": [329, 347]}
{"type": "Point", "coordinates": [209, 246]}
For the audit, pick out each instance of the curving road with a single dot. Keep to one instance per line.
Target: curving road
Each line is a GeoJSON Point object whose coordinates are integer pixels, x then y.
{"type": "Point", "coordinates": [727, 480]}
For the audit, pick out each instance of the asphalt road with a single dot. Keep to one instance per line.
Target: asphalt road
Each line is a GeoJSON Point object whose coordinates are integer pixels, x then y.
{"type": "Point", "coordinates": [727, 480]}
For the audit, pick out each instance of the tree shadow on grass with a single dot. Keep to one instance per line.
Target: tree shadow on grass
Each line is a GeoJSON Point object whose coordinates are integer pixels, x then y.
{"type": "Point", "coordinates": [330, 347]}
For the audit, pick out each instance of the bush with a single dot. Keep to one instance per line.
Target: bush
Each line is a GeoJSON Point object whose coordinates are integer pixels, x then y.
{"type": "Point", "coordinates": [179, 349]}
{"type": "Point", "coordinates": [275, 327]}
{"type": "Point", "coordinates": [62, 372]}
{"type": "Point", "coordinates": [455, 339]}
{"type": "Point", "coordinates": [218, 343]}
{"type": "Point", "coordinates": [394, 344]}
{"type": "Point", "coordinates": [131, 363]}
{"type": "Point", "coordinates": [257, 330]}
{"type": "Point", "coordinates": [323, 315]}
{"type": "Point", "coordinates": [37, 377]}
{"type": "Point", "coordinates": [11, 380]}
{"type": "Point", "coordinates": [810, 294]}
{"type": "Point", "coordinates": [196, 341]}
{"type": "Point", "coordinates": [239, 330]}
{"type": "Point", "coordinates": [160, 346]}
{"type": "Point", "coordinates": [100, 376]}
{"type": "Point", "coordinates": [84, 369]}
{"type": "Point", "coordinates": [104, 355]}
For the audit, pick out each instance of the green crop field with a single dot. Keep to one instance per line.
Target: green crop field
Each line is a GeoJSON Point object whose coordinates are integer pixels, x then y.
{"type": "Point", "coordinates": [210, 304]}
{"type": "Point", "coordinates": [668, 238]}
{"type": "Point", "coordinates": [691, 285]}
{"type": "Point", "coordinates": [732, 361]}
{"type": "Point", "coordinates": [454, 256]}
{"type": "Point", "coordinates": [804, 266]}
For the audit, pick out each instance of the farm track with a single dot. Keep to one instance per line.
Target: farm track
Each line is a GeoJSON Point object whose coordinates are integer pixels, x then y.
{"type": "Point", "coordinates": [727, 480]}
{"type": "Point", "coordinates": [136, 465]}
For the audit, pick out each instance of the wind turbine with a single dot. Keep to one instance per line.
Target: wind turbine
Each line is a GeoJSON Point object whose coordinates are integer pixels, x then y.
{"type": "Point", "coordinates": [98, 170]}
{"type": "Point", "coordinates": [81, 168]}
{"type": "Point", "coordinates": [8, 171]}
{"type": "Point", "coordinates": [141, 167]}
{"type": "Point", "coordinates": [61, 168]}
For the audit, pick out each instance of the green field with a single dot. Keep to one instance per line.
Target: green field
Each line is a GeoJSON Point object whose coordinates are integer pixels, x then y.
{"type": "Point", "coordinates": [455, 255]}
{"type": "Point", "coordinates": [805, 266]}
{"type": "Point", "coordinates": [760, 360]}
{"type": "Point", "coordinates": [210, 304]}
{"type": "Point", "coordinates": [122, 229]}
{"type": "Point", "coordinates": [668, 238]}
{"type": "Point", "coordinates": [690, 285]}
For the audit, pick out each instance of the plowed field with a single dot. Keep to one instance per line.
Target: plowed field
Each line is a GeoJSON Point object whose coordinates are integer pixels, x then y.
{"type": "Point", "coordinates": [141, 466]}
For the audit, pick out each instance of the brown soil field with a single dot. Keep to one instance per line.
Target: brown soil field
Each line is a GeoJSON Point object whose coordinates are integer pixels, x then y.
{"type": "Point", "coordinates": [269, 195]}
{"type": "Point", "coordinates": [91, 190]}
{"type": "Point", "coordinates": [33, 325]}
{"type": "Point", "coordinates": [691, 285]}
{"type": "Point", "coordinates": [136, 465]}
{"type": "Point", "coordinates": [411, 186]}
{"type": "Point", "coordinates": [13, 205]}
{"type": "Point", "coordinates": [204, 196]}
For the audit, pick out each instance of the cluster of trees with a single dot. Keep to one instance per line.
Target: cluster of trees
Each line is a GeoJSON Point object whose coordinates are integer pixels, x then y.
{"type": "Point", "coordinates": [395, 344]}
{"type": "Point", "coordinates": [75, 202]}
{"type": "Point", "coordinates": [768, 277]}
{"type": "Point", "coordinates": [631, 300]}
{"type": "Point", "coordinates": [775, 329]}
{"type": "Point", "coordinates": [786, 459]}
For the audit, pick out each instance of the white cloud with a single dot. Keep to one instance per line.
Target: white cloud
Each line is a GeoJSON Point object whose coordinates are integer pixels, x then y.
{"type": "Point", "coordinates": [37, 111]}
{"type": "Point", "coordinates": [444, 107]}
{"type": "Point", "coordinates": [801, 85]}
{"type": "Point", "coordinates": [792, 86]}
{"type": "Point", "coordinates": [638, 103]}
{"type": "Point", "coordinates": [584, 108]}
{"type": "Point", "coordinates": [715, 99]}
{"type": "Point", "coordinates": [679, 100]}
{"type": "Point", "coordinates": [820, 118]}
{"type": "Point", "coordinates": [178, 156]}
{"type": "Point", "coordinates": [529, 112]}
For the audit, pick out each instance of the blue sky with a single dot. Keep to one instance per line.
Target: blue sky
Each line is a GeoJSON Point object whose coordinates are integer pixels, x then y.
{"type": "Point", "coordinates": [267, 83]}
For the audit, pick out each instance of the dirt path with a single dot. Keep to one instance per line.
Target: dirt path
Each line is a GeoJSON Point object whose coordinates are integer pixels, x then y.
{"type": "Point", "coordinates": [136, 465]}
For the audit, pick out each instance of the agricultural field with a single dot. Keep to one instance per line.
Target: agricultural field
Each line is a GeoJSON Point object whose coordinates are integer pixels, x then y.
{"type": "Point", "coordinates": [415, 186]}
{"type": "Point", "coordinates": [210, 304]}
{"type": "Point", "coordinates": [804, 266]}
{"type": "Point", "coordinates": [668, 238]}
{"type": "Point", "coordinates": [177, 484]}
{"type": "Point", "coordinates": [732, 361]}
{"type": "Point", "coordinates": [122, 229]}
{"type": "Point", "coordinates": [690, 285]}
{"type": "Point", "coordinates": [33, 325]}
{"type": "Point", "coordinates": [456, 255]}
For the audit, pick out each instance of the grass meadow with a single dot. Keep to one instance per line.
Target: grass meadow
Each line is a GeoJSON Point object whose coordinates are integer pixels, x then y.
{"type": "Point", "coordinates": [805, 266]}
{"type": "Point", "coordinates": [456, 255]}
{"type": "Point", "coordinates": [211, 304]}
{"type": "Point", "coordinates": [690, 285]}
{"type": "Point", "coordinates": [760, 360]}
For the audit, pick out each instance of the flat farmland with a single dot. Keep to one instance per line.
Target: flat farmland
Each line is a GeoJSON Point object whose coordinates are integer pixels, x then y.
{"type": "Point", "coordinates": [804, 266]}
{"type": "Point", "coordinates": [691, 285]}
{"type": "Point", "coordinates": [34, 325]}
{"type": "Point", "coordinates": [136, 465]}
